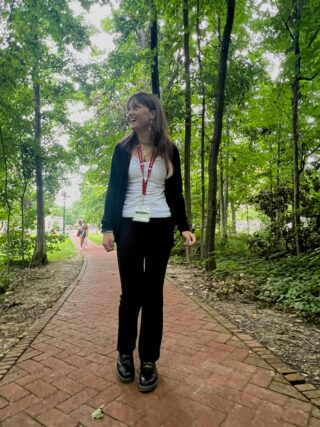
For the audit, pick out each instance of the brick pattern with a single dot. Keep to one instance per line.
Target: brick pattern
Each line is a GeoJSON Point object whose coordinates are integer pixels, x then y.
{"type": "Point", "coordinates": [211, 374]}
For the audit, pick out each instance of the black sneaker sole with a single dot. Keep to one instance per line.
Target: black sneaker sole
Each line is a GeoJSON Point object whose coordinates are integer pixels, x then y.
{"type": "Point", "coordinates": [123, 379]}
{"type": "Point", "coordinates": [148, 388]}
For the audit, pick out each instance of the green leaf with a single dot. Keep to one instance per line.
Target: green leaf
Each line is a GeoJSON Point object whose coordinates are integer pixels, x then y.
{"type": "Point", "coordinates": [97, 414]}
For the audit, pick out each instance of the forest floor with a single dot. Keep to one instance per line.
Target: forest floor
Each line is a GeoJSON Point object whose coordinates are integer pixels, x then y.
{"type": "Point", "coordinates": [289, 337]}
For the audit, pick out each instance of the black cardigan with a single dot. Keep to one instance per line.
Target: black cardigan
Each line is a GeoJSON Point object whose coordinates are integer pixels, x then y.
{"type": "Point", "coordinates": [117, 189]}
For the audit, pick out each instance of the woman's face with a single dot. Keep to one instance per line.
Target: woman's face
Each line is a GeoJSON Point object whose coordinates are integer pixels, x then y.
{"type": "Point", "coordinates": [139, 116]}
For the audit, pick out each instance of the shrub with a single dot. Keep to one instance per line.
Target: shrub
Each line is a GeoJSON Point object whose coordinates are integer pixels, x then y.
{"type": "Point", "coordinates": [14, 250]}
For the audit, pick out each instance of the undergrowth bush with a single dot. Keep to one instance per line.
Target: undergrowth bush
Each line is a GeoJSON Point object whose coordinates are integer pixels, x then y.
{"type": "Point", "coordinates": [294, 283]}
{"type": "Point", "coordinates": [291, 283]}
{"type": "Point", "coordinates": [13, 251]}
{"type": "Point", "coordinates": [5, 280]}
{"type": "Point", "coordinates": [12, 255]}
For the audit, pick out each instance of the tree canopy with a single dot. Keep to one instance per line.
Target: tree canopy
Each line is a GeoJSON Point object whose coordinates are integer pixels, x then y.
{"type": "Point", "coordinates": [240, 84]}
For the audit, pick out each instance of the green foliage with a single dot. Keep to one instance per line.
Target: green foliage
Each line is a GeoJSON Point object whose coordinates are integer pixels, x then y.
{"type": "Point", "coordinates": [15, 250]}
{"type": "Point", "coordinates": [53, 241]}
{"type": "Point", "coordinates": [294, 283]}
{"type": "Point", "coordinates": [179, 248]}
{"type": "Point", "coordinates": [277, 235]}
{"type": "Point", "coordinates": [62, 249]}
{"type": "Point", "coordinates": [37, 54]}
{"type": "Point", "coordinates": [273, 203]}
{"type": "Point", "coordinates": [96, 238]}
{"type": "Point", "coordinates": [255, 164]}
{"type": "Point", "coordinates": [290, 283]}
{"type": "Point", "coordinates": [5, 281]}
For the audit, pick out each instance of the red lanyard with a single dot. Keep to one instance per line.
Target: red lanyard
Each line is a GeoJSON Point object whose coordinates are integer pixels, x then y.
{"type": "Point", "coordinates": [145, 181]}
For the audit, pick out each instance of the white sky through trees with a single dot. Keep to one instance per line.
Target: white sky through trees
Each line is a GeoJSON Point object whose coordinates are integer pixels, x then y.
{"type": "Point", "coordinates": [77, 112]}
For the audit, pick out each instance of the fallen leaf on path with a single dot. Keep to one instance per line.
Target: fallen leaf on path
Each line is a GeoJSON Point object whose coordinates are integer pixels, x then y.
{"type": "Point", "coordinates": [97, 414]}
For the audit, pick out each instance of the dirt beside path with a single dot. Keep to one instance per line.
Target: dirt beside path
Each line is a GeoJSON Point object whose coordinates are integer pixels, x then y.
{"type": "Point", "coordinates": [33, 291]}
{"type": "Point", "coordinates": [289, 337]}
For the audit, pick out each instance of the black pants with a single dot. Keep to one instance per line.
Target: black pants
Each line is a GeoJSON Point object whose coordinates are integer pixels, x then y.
{"type": "Point", "coordinates": [143, 252]}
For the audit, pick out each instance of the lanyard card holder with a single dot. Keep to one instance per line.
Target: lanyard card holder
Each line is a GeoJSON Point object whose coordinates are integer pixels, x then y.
{"type": "Point", "coordinates": [141, 214]}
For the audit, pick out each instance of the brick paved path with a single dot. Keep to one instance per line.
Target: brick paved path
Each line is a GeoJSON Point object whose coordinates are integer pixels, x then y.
{"type": "Point", "coordinates": [210, 374]}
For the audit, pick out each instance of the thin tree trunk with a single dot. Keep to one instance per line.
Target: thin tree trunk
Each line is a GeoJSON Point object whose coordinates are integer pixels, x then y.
{"type": "Point", "coordinates": [40, 255]}
{"type": "Point", "coordinates": [224, 188]}
{"type": "Point", "coordinates": [270, 167]}
{"type": "Point", "coordinates": [226, 178]}
{"type": "Point", "coordinates": [233, 217]}
{"type": "Point", "coordinates": [223, 230]}
{"type": "Point", "coordinates": [278, 158]}
{"type": "Point", "coordinates": [187, 141]}
{"type": "Point", "coordinates": [216, 139]}
{"type": "Point", "coordinates": [202, 137]}
{"type": "Point", "coordinates": [22, 236]}
{"type": "Point", "coordinates": [203, 182]}
{"type": "Point", "coordinates": [154, 49]}
{"type": "Point", "coordinates": [295, 129]}
{"type": "Point", "coordinates": [6, 199]}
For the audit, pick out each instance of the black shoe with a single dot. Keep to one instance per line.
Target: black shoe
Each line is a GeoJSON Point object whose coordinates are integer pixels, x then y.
{"type": "Point", "coordinates": [125, 368]}
{"type": "Point", "coordinates": [148, 379]}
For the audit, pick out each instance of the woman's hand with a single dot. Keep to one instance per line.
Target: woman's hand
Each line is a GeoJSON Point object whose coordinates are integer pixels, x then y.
{"type": "Point", "coordinates": [190, 238]}
{"type": "Point", "coordinates": [108, 241]}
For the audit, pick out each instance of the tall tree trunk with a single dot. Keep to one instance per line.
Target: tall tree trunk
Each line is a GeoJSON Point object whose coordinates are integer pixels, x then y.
{"type": "Point", "coordinates": [202, 137]}
{"type": "Point", "coordinates": [271, 166]}
{"type": "Point", "coordinates": [216, 139]}
{"type": "Point", "coordinates": [233, 217]}
{"type": "Point", "coordinates": [226, 177]}
{"type": "Point", "coordinates": [224, 187]}
{"type": "Point", "coordinates": [203, 182]}
{"type": "Point", "coordinates": [278, 157]}
{"type": "Point", "coordinates": [295, 89]}
{"type": "Point", "coordinates": [187, 140]}
{"type": "Point", "coordinates": [154, 49]}
{"type": "Point", "coordinates": [22, 235]}
{"type": "Point", "coordinates": [6, 200]}
{"type": "Point", "coordinates": [40, 255]}
{"type": "Point", "coordinates": [223, 225]}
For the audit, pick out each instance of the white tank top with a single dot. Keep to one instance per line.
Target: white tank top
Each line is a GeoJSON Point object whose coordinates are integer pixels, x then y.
{"type": "Point", "coordinates": [155, 197]}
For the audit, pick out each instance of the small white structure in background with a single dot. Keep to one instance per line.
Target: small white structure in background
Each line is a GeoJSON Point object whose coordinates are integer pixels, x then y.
{"type": "Point", "coordinates": [95, 229]}
{"type": "Point", "coordinates": [3, 226]}
{"type": "Point", "coordinates": [53, 223]}
{"type": "Point", "coordinates": [250, 226]}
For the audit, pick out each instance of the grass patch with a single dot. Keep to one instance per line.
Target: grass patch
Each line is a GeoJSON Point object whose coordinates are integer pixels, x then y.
{"type": "Point", "coordinates": [95, 238]}
{"type": "Point", "coordinates": [64, 250]}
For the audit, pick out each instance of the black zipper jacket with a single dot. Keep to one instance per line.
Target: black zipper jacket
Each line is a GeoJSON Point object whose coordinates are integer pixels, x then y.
{"type": "Point", "coordinates": [117, 189]}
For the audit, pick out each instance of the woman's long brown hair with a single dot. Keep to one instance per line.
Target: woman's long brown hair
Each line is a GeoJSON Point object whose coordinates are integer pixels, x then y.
{"type": "Point", "coordinates": [158, 128]}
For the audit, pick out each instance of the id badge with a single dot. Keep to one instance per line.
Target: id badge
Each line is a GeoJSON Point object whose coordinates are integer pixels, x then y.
{"type": "Point", "coordinates": [141, 214]}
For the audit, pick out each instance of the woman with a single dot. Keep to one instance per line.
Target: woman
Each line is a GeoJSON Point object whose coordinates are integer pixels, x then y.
{"type": "Point", "coordinates": [82, 233]}
{"type": "Point", "coordinates": [143, 204]}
